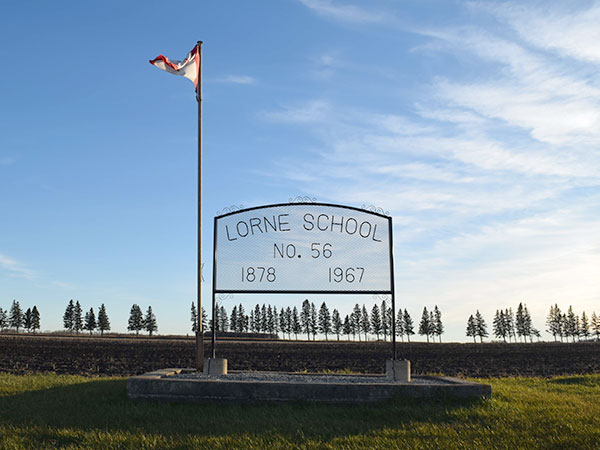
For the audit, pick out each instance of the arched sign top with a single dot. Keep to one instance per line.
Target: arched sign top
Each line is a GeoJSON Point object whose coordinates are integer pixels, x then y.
{"type": "Point", "coordinates": [275, 205]}
{"type": "Point", "coordinates": [303, 248]}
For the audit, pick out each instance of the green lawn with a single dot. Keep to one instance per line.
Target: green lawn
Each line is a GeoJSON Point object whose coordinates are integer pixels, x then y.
{"type": "Point", "coordinates": [52, 411]}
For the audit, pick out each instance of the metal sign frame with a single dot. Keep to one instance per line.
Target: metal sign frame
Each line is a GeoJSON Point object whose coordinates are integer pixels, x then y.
{"type": "Point", "coordinates": [390, 291]}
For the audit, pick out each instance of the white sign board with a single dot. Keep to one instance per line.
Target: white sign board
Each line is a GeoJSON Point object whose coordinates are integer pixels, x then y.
{"type": "Point", "coordinates": [303, 247]}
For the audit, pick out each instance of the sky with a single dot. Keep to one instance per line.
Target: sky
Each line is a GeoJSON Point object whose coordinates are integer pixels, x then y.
{"type": "Point", "coordinates": [476, 125]}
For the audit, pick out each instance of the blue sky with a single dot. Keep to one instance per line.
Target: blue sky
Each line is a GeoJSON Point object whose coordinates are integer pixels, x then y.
{"type": "Point", "coordinates": [475, 124]}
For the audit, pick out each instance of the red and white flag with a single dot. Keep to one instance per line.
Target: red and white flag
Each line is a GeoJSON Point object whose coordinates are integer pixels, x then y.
{"type": "Point", "coordinates": [187, 68]}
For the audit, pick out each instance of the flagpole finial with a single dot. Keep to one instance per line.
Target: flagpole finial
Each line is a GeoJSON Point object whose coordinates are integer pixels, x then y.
{"type": "Point", "coordinates": [199, 42]}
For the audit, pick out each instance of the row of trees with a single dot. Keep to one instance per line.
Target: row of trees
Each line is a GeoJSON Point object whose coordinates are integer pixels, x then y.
{"type": "Point", "coordinates": [17, 319]}
{"type": "Point", "coordinates": [310, 321]}
{"type": "Point", "coordinates": [75, 322]}
{"type": "Point", "coordinates": [570, 325]}
{"type": "Point", "coordinates": [138, 322]}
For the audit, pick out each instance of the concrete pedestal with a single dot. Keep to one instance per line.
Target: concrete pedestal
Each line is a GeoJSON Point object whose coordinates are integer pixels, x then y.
{"type": "Point", "coordinates": [398, 370]}
{"type": "Point", "coordinates": [215, 366]}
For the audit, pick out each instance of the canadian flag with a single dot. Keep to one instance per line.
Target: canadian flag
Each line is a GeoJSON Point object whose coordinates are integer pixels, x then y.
{"type": "Point", "coordinates": [187, 68]}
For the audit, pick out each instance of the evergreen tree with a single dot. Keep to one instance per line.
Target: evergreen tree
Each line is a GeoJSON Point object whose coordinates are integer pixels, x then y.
{"type": "Point", "coordinates": [35, 319]}
{"type": "Point", "coordinates": [313, 321]}
{"type": "Point", "coordinates": [355, 321]}
{"type": "Point", "coordinates": [257, 318]}
{"type": "Point", "coordinates": [324, 320]}
{"type": "Point", "coordinates": [365, 324]}
{"type": "Point", "coordinates": [596, 325]}
{"type": "Point", "coordinates": [77, 317]}
{"type": "Point", "coordinates": [376, 326]}
{"type": "Point", "coordinates": [337, 323]}
{"type": "Point", "coordinates": [15, 317]}
{"type": "Point", "coordinates": [103, 321]}
{"type": "Point", "coordinates": [68, 316]}
{"type": "Point", "coordinates": [438, 326]}
{"type": "Point", "coordinates": [386, 325]}
{"type": "Point", "coordinates": [571, 324]}
{"type": "Point", "coordinates": [150, 322]}
{"type": "Point", "coordinates": [193, 318]}
{"type": "Point", "coordinates": [305, 318]}
{"type": "Point", "coordinates": [233, 320]}
{"type": "Point", "coordinates": [276, 325]}
{"type": "Point", "coordinates": [471, 328]}
{"type": "Point", "coordinates": [584, 329]}
{"type": "Point", "coordinates": [390, 318]}
{"type": "Point", "coordinates": [408, 325]}
{"type": "Point", "coordinates": [347, 327]}
{"type": "Point", "coordinates": [425, 324]}
{"type": "Point", "coordinates": [509, 324]}
{"type": "Point", "coordinates": [136, 319]}
{"type": "Point", "coordinates": [296, 325]}
{"type": "Point", "coordinates": [263, 319]}
{"type": "Point", "coordinates": [90, 321]}
{"type": "Point", "coordinates": [270, 320]}
{"type": "Point", "coordinates": [520, 321]}
{"type": "Point", "coordinates": [223, 319]}
{"type": "Point", "coordinates": [27, 319]}
{"type": "Point", "coordinates": [204, 320]}
{"type": "Point", "coordinates": [480, 326]}
{"type": "Point", "coordinates": [553, 321]}
{"type": "Point", "coordinates": [243, 320]}
{"type": "Point", "coordinates": [283, 322]}
{"type": "Point", "coordinates": [499, 325]}
{"type": "Point", "coordinates": [400, 324]}
{"type": "Point", "coordinates": [527, 324]}
{"type": "Point", "coordinates": [3, 319]}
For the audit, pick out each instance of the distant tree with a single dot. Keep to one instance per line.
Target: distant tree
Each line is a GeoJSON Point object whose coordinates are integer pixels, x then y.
{"type": "Point", "coordinates": [386, 324]}
{"type": "Point", "coordinates": [223, 319]}
{"type": "Point", "coordinates": [305, 318]}
{"type": "Point", "coordinates": [509, 324]}
{"type": "Point", "coordinates": [553, 321]}
{"type": "Point", "coordinates": [596, 325]}
{"type": "Point", "coordinates": [204, 320]}
{"type": "Point", "coordinates": [324, 320]}
{"type": "Point", "coordinates": [284, 323]}
{"type": "Point", "coordinates": [136, 319]}
{"type": "Point", "coordinates": [68, 316]}
{"type": "Point", "coordinates": [150, 321]}
{"type": "Point", "coordinates": [438, 326]}
{"type": "Point", "coordinates": [500, 325]}
{"type": "Point", "coordinates": [425, 324]}
{"type": "Point", "coordinates": [194, 317]}
{"type": "Point", "coordinates": [233, 320]}
{"type": "Point", "coordinates": [35, 319]}
{"type": "Point", "coordinates": [3, 319]}
{"type": "Point", "coordinates": [90, 321]}
{"type": "Point", "coordinates": [355, 321]}
{"type": "Point", "coordinates": [15, 317]}
{"type": "Point", "coordinates": [480, 326]}
{"type": "Point", "coordinates": [376, 325]}
{"type": "Point", "coordinates": [336, 323]}
{"type": "Point", "coordinates": [365, 323]}
{"type": "Point", "coordinates": [347, 327]}
{"type": "Point", "coordinates": [390, 318]}
{"type": "Point", "coordinates": [243, 320]}
{"type": "Point", "coordinates": [257, 318]}
{"type": "Point", "coordinates": [276, 324]}
{"type": "Point", "coordinates": [263, 319]}
{"type": "Point", "coordinates": [471, 328]}
{"type": "Point", "coordinates": [270, 320]}
{"type": "Point", "coordinates": [571, 324]}
{"type": "Point", "coordinates": [314, 324]}
{"type": "Point", "coordinates": [296, 325]}
{"type": "Point", "coordinates": [519, 321]}
{"type": "Point", "coordinates": [408, 325]}
{"type": "Point", "coordinates": [27, 320]}
{"type": "Point", "coordinates": [400, 331]}
{"type": "Point", "coordinates": [77, 317]}
{"type": "Point", "coordinates": [103, 321]}
{"type": "Point", "coordinates": [584, 328]}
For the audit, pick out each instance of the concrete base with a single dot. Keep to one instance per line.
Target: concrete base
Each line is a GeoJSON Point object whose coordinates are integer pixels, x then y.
{"type": "Point", "coordinates": [215, 366]}
{"type": "Point", "coordinates": [162, 385]}
{"type": "Point", "coordinates": [398, 370]}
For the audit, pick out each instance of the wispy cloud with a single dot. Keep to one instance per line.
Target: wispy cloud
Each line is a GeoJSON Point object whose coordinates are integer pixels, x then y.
{"type": "Point", "coordinates": [15, 268]}
{"type": "Point", "coordinates": [235, 79]}
{"type": "Point", "coordinates": [344, 12]}
{"type": "Point", "coordinates": [6, 160]}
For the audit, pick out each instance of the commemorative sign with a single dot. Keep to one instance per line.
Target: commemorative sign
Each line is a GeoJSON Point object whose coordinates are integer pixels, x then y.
{"type": "Point", "coordinates": [303, 248]}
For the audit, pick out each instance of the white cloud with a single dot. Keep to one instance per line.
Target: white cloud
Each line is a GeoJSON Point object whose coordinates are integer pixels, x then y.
{"type": "Point", "coordinates": [344, 12]}
{"type": "Point", "coordinates": [15, 268]}
{"type": "Point", "coordinates": [235, 79]}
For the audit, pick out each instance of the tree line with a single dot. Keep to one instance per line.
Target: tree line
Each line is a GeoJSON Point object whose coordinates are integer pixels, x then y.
{"type": "Point", "coordinates": [510, 327]}
{"type": "Point", "coordinates": [288, 321]}
{"type": "Point", "coordinates": [75, 322]}
{"type": "Point", "coordinates": [17, 319]}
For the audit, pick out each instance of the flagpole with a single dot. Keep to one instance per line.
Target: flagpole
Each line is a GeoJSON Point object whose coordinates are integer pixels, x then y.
{"type": "Point", "coordinates": [200, 332]}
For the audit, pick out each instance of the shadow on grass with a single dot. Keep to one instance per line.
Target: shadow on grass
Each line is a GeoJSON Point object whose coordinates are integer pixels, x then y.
{"type": "Point", "coordinates": [103, 404]}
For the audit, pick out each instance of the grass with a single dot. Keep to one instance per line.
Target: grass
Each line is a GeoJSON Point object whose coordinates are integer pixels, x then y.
{"type": "Point", "coordinates": [55, 411]}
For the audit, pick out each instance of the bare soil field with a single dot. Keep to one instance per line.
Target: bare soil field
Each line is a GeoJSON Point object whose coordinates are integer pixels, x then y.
{"type": "Point", "coordinates": [125, 356]}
